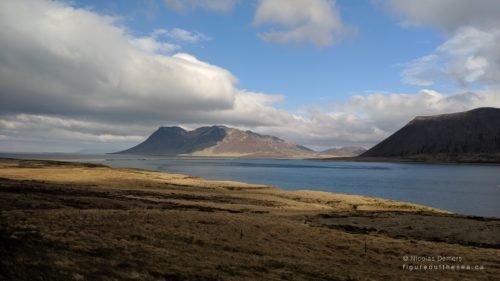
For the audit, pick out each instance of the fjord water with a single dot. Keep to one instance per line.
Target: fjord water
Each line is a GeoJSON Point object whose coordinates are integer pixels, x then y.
{"type": "Point", "coordinates": [459, 188]}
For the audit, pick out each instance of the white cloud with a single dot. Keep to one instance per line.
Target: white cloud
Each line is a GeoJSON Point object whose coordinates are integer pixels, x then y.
{"type": "Point", "coordinates": [60, 60]}
{"type": "Point", "coordinates": [391, 111]}
{"type": "Point", "coordinates": [366, 120]}
{"type": "Point", "coordinates": [41, 133]}
{"type": "Point", "coordinates": [447, 15]}
{"type": "Point", "coordinates": [222, 6]}
{"type": "Point", "coordinates": [474, 55]}
{"type": "Point", "coordinates": [316, 21]}
{"type": "Point", "coordinates": [151, 45]}
{"type": "Point", "coordinates": [180, 34]}
{"type": "Point", "coordinates": [469, 55]}
{"type": "Point", "coordinates": [258, 106]}
{"type": "Point", "coordinates": [423, 71]}
{"type": "Point", "coordinates": [44, 123]}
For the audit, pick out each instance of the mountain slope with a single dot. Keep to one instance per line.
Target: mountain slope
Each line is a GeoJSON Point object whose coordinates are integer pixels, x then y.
{"type": "Point", "coordinates": [175, 140]}
{"type": "Point", "coordinates": [217, 141]}
{"type": "Point", "coordinates": [474, 132]}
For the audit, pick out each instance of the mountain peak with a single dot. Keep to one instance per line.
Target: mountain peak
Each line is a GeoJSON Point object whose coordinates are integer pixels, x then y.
{"type": "Point", "coordinates": [217, 140]}
{"type": "Point", "coordinates": [170, 129]}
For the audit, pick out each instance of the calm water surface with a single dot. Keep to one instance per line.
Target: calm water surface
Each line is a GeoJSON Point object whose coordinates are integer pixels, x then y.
{"type": "Point", "coordinates": [465, 189]}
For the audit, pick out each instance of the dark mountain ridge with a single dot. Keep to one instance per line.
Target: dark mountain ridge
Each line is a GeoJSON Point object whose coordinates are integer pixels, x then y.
{"type": "Point", "coordinates": [474, 132]}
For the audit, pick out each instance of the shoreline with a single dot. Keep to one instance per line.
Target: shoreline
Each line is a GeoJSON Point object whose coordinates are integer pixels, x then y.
{"type": "Point", "coordinates": [108, 163]}
{"type": "Point", "coordinates": [414, 160]}
{"type": "Point", "coordinates": [361, 201]}
{"type": "Point", "coordinates": [418, 159]}
{"type": "Point", "coordinates": [77, 221]}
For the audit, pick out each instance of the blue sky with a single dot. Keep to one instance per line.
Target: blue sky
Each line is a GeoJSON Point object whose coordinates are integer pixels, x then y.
{"type": "Point", "coordinates": [369, 59]}
{"type": "Point", "coordinates": [323, 73]}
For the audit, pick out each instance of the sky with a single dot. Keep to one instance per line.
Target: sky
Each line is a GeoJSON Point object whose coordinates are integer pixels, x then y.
{"type": "Point", "coordinates": [103, 75]}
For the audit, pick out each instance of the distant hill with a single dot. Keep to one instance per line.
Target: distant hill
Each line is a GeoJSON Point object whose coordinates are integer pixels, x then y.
{"type": "Point", "coordinates": [472, 135]}
{"type": "Point", "coordinates": [217, 141]}
{"type": "Point", "coordinates": [346, 151]}
{"type": "Point", "coordinates": [94, 151]}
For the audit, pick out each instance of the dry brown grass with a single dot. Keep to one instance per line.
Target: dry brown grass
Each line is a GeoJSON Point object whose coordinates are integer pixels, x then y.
{"type": "Point", "coordinates": [72, 222]}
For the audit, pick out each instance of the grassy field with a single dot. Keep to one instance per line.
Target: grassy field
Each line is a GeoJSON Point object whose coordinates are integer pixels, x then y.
{"type": "Point", "coordinates": [72, 221]}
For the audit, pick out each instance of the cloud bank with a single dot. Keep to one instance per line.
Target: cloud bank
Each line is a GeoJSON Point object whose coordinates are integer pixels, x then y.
{"type": "Point", "coordinates": [59, 60]}
{"type": "Point", "coordinates": [366, 120]}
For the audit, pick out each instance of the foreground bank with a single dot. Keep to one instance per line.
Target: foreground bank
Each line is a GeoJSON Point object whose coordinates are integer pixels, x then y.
{"type": "Point", "coordinates": [70, 221]}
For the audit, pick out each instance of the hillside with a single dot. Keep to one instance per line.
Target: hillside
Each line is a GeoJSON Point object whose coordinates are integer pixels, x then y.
{"type": "Point", "coordinates": [217, 141]}
{"type": "Point", "coordinates": [473, 134]}
{"type": "Point", "coordinates": [345, 151]}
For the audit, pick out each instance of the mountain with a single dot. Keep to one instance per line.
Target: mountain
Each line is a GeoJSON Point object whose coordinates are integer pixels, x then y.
{"type": "Point", "coordinates": [471, 134]}
{"type": "Point", "coordinates": [217, 141]}
{"type": "Point", "coordinates": [346, 151]}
